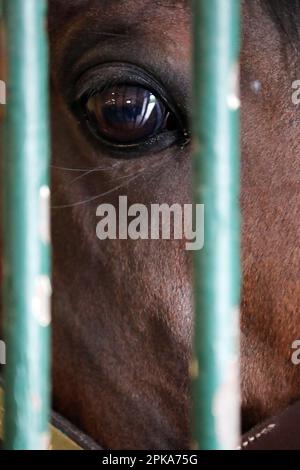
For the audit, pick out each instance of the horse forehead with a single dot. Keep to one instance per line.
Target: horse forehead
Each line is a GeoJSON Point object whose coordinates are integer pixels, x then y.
{"type": "Point", "coordinates": [133, 7]}
{"type": "Point", "coordinates": [128, 11]}
{"type": "Point", "coordinates": [71, 18]}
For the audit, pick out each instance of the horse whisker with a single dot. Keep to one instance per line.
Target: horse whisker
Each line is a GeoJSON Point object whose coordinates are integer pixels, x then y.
{"type": "Point", "coordinates": [86, 201]}
{"type": "Point", "coordinates": [65, 168]}
{"type": "Point", "coordinates": [93, 198]}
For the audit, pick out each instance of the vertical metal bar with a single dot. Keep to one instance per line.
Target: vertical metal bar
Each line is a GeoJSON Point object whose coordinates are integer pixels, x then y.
{"type": "Point", "coordinates": [25, 227]}
{"type": "Point", "coordinates": [215, 369]}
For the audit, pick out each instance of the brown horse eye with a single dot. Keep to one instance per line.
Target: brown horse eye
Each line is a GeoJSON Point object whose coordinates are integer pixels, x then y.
{"type": "Point", "coordinates": [126, 114]}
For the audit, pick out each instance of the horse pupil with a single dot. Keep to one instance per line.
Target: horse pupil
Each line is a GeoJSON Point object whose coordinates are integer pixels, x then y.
{"type": "Point", "coordinates": [126, 114]}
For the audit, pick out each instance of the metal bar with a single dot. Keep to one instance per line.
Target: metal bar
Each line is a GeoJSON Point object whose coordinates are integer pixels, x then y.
{"type": "Point", "coordinates": [215, 369]}
{"type": "Point", "coordinates": [59, 439]}
{"type": "Point", "coordinates": [25, 227]}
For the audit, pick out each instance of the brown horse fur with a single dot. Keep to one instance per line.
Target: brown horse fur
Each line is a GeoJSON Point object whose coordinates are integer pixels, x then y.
{"type": "Point", "coordinates": [122, 309]}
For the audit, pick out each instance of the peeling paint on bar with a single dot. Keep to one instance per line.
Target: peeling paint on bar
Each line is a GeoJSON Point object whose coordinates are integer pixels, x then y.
{"type": "Point", "coordinates": [41, 301]}
{"type": "Point", "coordinates": [194, 369]}
{"type": "Point", "coordinates": [233, 99]}
{"type": "Point", "coordinates": [225, 400]}
{"type": "Point", "coordinates": [2, 92]}
{"type": "Point", "coordinates": [44, 214]}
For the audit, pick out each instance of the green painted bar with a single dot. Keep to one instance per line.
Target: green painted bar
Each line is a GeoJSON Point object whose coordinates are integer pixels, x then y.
{"type": "Point", "coordinates": [25, 227]}
{"type": "Point", "coordinates": [215, 369]}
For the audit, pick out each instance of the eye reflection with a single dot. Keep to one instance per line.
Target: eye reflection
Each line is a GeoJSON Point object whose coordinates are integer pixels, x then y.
{"type": "Point", "coordinates": [127, 114]}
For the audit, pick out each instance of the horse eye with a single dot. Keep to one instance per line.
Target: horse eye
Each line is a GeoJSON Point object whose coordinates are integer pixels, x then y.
{"type": "Point", "coordinates": [127, 114]}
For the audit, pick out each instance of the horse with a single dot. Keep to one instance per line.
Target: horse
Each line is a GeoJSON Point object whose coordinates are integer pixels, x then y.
{"type": "Point", "coordinates": [123, 309]}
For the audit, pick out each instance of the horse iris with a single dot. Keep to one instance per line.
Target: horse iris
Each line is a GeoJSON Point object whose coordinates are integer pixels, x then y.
{"type": "Point", "coordinates": [126, 114]}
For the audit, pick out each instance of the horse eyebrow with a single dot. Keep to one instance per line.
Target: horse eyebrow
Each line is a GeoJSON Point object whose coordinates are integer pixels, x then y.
{"type": "Point", "coordinates": [286, 14]}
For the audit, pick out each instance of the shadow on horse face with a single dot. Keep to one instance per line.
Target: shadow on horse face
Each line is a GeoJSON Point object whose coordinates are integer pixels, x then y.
{"type": "Point", "coordinates": [122, 308]}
